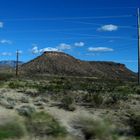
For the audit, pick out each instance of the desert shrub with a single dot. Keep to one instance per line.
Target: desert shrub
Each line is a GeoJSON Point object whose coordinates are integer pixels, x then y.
{"type": "Point", "coordinates": [95, 129]}
{"type": "Point", "coordinates": [134, 122]}
{"type": "Point", "coordinates": [97, 99]}
{"type": "Point", "coordinates": [41, 88]}
{"type": "Point", "coordinates": [115, 97]}
{"type": "Point", "coordinates": [94, 99]}
{"type": "Point", "coordinates": [6, 76]}
{"type": "Point", "coordinates": [49, 87]}
{"type": "Point", "coordinates": [91, 88]}
{"type": "Point", "coordinates": [67, 102]}
{"type": "Point", "coordinates": [63, 138]}
{"type": "Point", "coordinates": [98, 129]}
{"type": "Point", "coordinates": [41, 124]}
{"type": "Point", "coordinates": [1, 84]}
{"type": "Point", "coordinates": [124, 89]}
{"type": "Point", "coordinates": [11, 130]}
{"type": "Point", "coordinates": [55, 87]}
{"type": "Point", "coordinates": [136, 89]}
{"type": "Point", "coordinates": [16, 85]}
{"type": "Point", "coordinates": [26, 110]}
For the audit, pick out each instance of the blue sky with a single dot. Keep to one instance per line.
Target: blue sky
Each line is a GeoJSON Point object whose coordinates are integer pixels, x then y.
{"type": "Point", "coordinates": [100, 30]}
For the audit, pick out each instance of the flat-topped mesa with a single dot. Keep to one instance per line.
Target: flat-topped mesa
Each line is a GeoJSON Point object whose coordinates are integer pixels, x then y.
{"type": "Point", "coordinates": [49, 52]}
{"type": "Point", "coordinates": [56, 53]}
{"type": "Point", "coordinates": [60, 63]}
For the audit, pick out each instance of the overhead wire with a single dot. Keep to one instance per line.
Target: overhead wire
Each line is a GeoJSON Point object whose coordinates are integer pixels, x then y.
{"type": "Point", "coordinates": [89, 23]}
{"type": "Point", "coordinates": [86, 36]}
{"type": "Point", "coordinates": [67, 18]}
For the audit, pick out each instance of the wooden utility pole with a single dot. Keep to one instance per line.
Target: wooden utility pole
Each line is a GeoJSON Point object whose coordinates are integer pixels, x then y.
{"type": "Point", "coordinates": [17, 59]}
{"type": "Point", "coordinates": [138, 14]}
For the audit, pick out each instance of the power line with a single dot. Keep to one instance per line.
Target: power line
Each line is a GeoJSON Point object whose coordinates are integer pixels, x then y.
{"type": "Point", "coordinates": [73, 38]}
{"type": "Point", "coordinates": [100, 36]}
{"type": "Point", "coordinates": [97, 8]}
{"type": "Point", "coordinates": [68, 29]}
{"type": "Point", "coordinates": [67, 18]}
{"type": "Point", "coordinates": [89, 23]}
{"type": "Point", "coordinates": [60, 30]}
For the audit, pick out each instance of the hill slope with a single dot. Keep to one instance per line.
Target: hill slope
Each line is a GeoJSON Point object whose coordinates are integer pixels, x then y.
{"type": "Point", "coordinates": [59, 63]}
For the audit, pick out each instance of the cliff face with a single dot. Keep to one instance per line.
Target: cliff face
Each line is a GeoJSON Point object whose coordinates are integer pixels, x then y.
{"type": "Point", "coordinates": [59, 63]}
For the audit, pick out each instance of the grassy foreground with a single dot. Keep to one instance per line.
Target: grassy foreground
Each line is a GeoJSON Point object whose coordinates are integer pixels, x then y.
{"type": "Point", "coordinates": [68, 108]}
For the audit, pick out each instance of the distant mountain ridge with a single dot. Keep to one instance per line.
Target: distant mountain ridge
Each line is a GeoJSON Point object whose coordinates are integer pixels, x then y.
{"type": "Point", "coordinates": [9, 63]}
{"type": "Point", "coordinates": [59, 63]}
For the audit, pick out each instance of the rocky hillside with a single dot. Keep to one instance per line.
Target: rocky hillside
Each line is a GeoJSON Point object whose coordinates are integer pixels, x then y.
{"type": "Point", "coordinates": [59, 63]}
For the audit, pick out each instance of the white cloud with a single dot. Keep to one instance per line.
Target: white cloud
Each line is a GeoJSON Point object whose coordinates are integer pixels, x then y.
{"type": "Point", "coordinates": [36, 50]}
{"type": "Point", "coordinates": [48, 49]}
{"type": "Point", "coordinates": [109, 28]}
{"type": "Point", "coordinates": [100, 49]}
{"type": "Point", "coordinates": [6, 54]}
{"type": "Point", "coordinates": [4, 41]}
{"type": "Point", "coordinates": [79, 44]}
{"type": "Point", "coordinates": [59, 48]}
{"type": "Point", "coordinates": [63, 46]}
{"type": "Point", "coordinates": [1, 24]}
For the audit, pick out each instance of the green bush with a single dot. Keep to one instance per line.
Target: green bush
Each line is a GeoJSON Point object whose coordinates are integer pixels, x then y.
{"type": "Point", "coordinates": [67, 103]}
{"type": "Point", "coordinates": [11, 130]}
{"type": "Point", "coordinates": [134, 122]}
{"type": "Point", "coordinates": [41, 89]}
{"type": "Point", "coordinates": [16, 85]}
{"type": "Point", "coordinates": [94, 99]}
{"type": "Point", "coordinates": [6, 76]}
{"type": "Point", "coordinates": [98, 129]}
{"type": "Point", "coordinates": [95, 129]}
{"type": "Point", "coordinates": [26, 110]}
{"type": "Point", "coordinates": [1, 84]}
{"type": "Point", "coordinates": [42, 124]}
{"type": "Point", "coordinates": [124, 88]}
{"type": "Point", "coordinates": [136, 89]}
{"type": "Point", "coordinates": [115, 97]}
